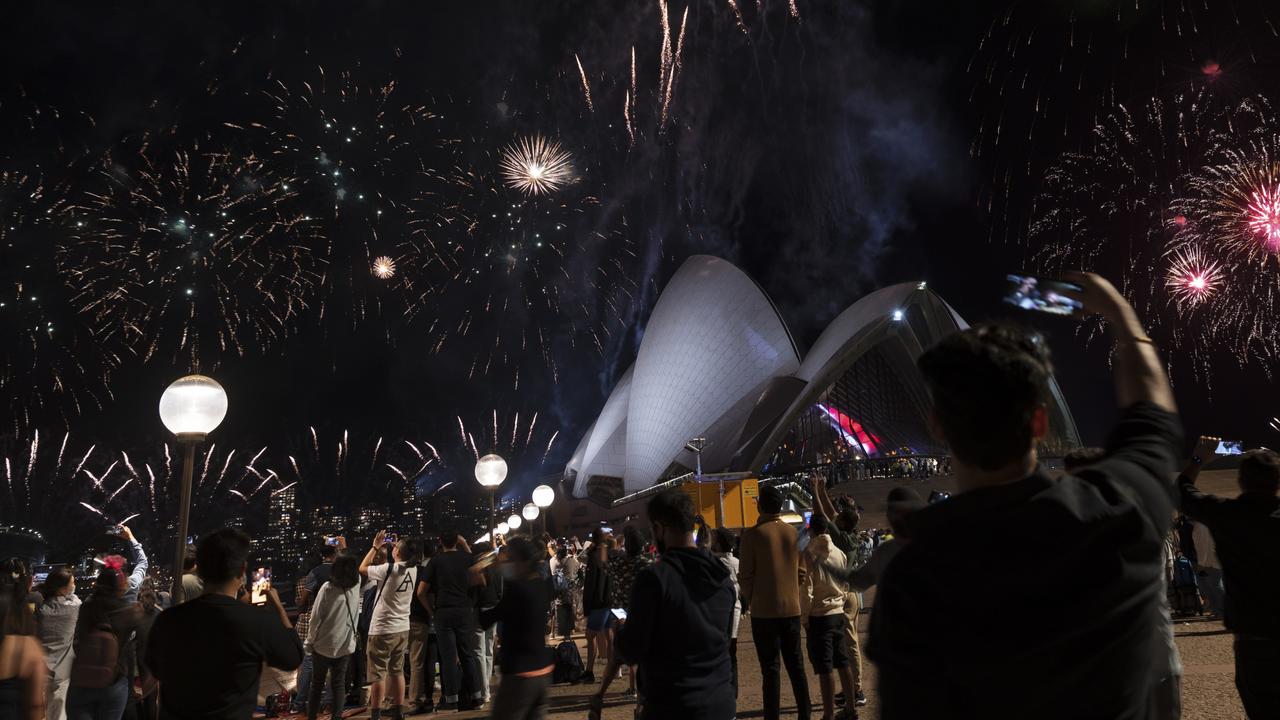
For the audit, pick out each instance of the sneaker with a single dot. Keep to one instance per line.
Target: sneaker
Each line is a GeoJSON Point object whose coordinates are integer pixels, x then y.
{"type": "Point", "coordinates": [587, 677]}
{"type": "Point", "coordinates": [859, 699]}
{"type": "Point", "coordinates": [840, 699]}
{"type": "Point", "coordinates": [447, 706]}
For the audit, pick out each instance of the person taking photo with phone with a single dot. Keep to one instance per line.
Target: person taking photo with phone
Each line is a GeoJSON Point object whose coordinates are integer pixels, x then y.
{"type": "Point", "coordinates": [208, 653]}
{"type": "Point", "coordinates": [1026, 648]}
{"type": "Point", "coordinates": [389, 628]}
{"type": "Point", "coordinates": [1246, 534]}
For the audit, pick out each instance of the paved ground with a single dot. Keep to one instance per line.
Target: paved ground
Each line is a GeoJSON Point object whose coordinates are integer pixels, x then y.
{"type": "Point", "coordinates": [1208, 690]}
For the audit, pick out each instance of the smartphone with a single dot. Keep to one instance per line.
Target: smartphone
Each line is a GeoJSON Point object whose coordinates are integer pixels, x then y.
{"type": "Point", "coordinates": [391, 537]}
{"type": "Point", "coordinates": [260, 585]}
{"type": "Point", "coordinates": [1043, 295]}
{"type": "Point", "coordinates": [331, 541]}
{"type": "Point", "coordinates": [620, 614]}
{"type": "Point", "coordinates": [39, 578]}
{"type": "Point", "coordinates": [1229, 447]}
{"type": "Point", "coordinates": [808, 515]}
{"type": "Point", "coordinates": [114, 530]}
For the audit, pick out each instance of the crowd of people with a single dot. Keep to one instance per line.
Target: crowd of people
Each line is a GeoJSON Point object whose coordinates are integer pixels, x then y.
{"type": "Point", "coordinates": [1072, 618]}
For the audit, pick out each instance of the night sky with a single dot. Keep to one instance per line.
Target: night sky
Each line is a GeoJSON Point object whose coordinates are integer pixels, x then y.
{"type": "Point", "coordinates": [827, 151]}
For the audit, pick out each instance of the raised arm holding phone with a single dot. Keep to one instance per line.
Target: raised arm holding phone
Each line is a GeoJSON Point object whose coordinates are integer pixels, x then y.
{"type": "Point", "coordinates": [1032, 650]}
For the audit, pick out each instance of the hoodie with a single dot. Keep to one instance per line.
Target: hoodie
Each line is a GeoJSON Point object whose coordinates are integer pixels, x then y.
{"type": "Point", "coordinates": [677, 631]}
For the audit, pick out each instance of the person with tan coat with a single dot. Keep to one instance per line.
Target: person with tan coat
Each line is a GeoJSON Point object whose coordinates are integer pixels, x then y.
{"type": "Point", "coordinates": [770, 579]}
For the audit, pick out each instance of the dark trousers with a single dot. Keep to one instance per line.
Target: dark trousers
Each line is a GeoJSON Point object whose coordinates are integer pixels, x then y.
{"type": "Point", "coordinates": [335, 669]}
{"type": "Point", "coordinates": [459, 654]}
{"type": "Point", "coordinates": [1258, 675]}
{"type": "Point", "coordinates": [522, 698]}
{"type": "Point", "coordinates": [774, 637]}
{"type": "Point", "coordinates": [733, 661]}
{"type": "Point", "coordinates": [355, 683]}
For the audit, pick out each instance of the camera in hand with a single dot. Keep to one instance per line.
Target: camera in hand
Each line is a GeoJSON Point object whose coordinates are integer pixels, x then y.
{"type": "Point", "coordinates": [114, 530]}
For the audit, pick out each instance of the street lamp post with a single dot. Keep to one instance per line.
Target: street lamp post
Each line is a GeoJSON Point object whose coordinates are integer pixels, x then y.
{"type": "Point", "coordinates": [191, 407]}
{"type": "Point", "coordinates": [543, 496]}
{"type": "Point", "coordinates": [491, 470]}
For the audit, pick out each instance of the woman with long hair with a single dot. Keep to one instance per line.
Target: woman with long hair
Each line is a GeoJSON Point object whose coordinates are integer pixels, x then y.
{"type": "Point", "coordinates": [331, 637]}
{"type": "Point", "coordinates": [101, 693]}
{"type": "Point", "coordinates": [597, 602]}
{"type": "Point", "coordinates": [22, 668]}
{"type": "Point", "coordinates": [56, 627]}
{"type": "Point", "coordinates": [624, 569]}
{"type": "Point", "coordinates": [722, 547]}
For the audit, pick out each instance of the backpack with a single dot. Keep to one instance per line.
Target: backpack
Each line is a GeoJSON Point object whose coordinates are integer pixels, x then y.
{"type": "Point", "coordinates": [369, 599]}
{"type": "Point", "coordinates": [568, 663]}
{"type": "Point", "coordinates": [97, 654]}
{"type": "Point", "coordinates": [1184, 573]}
{"type": "Point", "coordinates": [560, 583]}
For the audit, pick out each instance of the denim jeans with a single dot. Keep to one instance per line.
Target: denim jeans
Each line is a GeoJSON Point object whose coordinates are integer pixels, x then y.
{"type": "Point", "coordinates": [456, 632]}
{"type": "Point", "coordinates": [98, 703]}
{"type": "Point", "coordinates": [774, 637]}
{"type": "Point", "coordinates": [305, 672]}
{"type": "Point", "coordinates": [335, 671]}
{"type": "Point", "coordinates": [486, 657]}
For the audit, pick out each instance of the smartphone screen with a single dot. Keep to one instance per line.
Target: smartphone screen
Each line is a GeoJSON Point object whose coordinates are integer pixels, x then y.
{"type": "Point", "coordinates": [260, 585]}
{"type": "Point", "coordinates": [620, 614]}
{"type": "Point", "coordinates": [1230, 447]}
{"type": "Point", "coordinates": [1043, 295]}
{"type": "Point", "coordinates": [331, 541]}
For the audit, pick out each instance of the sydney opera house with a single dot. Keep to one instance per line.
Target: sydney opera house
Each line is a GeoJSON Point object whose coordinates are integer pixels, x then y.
{"type": "Point", "coordinates": [718, 362]}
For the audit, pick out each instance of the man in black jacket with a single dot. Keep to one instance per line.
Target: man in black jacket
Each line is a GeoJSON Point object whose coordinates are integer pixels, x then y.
{"type": "Point", "coordinates": [678, 627]}
{"type": "Point", "coordinates": [1246, 531]}
{"type": "Point", "coordinates": [208, 653]}
{"type": "Point", "coordinates": [1030, 647]}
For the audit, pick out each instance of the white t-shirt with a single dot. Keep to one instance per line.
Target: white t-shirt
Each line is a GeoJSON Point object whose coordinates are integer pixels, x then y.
{"type": "Point", "coordinates": [391, 614]}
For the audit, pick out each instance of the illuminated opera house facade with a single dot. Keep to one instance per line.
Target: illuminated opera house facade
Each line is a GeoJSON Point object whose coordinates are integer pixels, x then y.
{"type": "Point", "coordinates": [718, 362]}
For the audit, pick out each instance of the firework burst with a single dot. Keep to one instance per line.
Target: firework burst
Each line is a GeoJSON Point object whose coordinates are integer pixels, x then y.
{"type": "Point", "coordinates": [1168, 199]}
{"type": "Point", "coordinates": [361, 152]}
{"type": "Point", "coordinates": [1192, 278]}
{"type": "Point", "coordinates": [384, 268]}
{"type": "Point", "coordinates": [191, 254]}
{"type": "Point", "coordinates": [537, 166]}
{"type": "Point", "coordinates": [44, 370]}
{"type": "Point", "coordinates": [1235, 200]}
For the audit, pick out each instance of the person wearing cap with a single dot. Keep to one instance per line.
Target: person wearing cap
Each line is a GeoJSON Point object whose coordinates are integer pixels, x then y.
{"type": "Point", "coordinates": [769, 576]}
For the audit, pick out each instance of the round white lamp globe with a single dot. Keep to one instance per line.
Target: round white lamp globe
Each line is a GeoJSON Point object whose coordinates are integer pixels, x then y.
{"type": "Point", "coordinates": [502, 529]}
{"type": "Point", "coordinates": [530, 512]}
{"type": "Point", "coordinates": [491, 470]}
{"type": "Point", "coordinates": [193, 406]}
{"type": "Point", "coordinates": [514, 522]}
{"type": "Point", "coordinates": [543, 496]}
